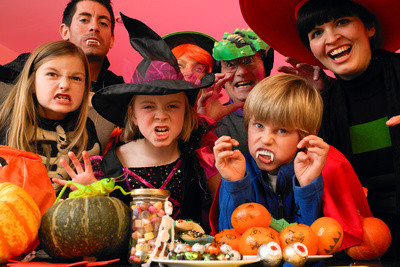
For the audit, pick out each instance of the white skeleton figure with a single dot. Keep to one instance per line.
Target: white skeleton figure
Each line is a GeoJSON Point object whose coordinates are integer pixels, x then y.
{"type": "Point", "coordinates": [163, 236]}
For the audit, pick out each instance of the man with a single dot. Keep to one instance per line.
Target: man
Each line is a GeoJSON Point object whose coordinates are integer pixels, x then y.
{"type": "Point", "coordinates": [89, 24]}
{"type": "Point", "coordinates": [245, 60]}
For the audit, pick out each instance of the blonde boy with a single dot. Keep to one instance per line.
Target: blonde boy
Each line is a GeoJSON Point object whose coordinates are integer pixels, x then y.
{"type": "Point", "coordinates": [283, 169]}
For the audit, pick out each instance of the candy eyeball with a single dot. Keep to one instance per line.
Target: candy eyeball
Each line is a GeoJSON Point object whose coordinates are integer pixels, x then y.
{"type": "Point", "coordinates": [270, 254]}
{"type": "Point", "coordinates": [180, 247]}
{"type": "Point", "coordinates": [295, 254]}
{"type": "Point", "coordinates": [199, 248]}
{"type": "Point", "coordinates": [225, 248]}
{"type": "Point", "coordinates": [235, 255]}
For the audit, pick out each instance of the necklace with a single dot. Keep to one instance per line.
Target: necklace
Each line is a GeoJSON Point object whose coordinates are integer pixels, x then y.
{"type": "Point", "coordinates": [127, 172]}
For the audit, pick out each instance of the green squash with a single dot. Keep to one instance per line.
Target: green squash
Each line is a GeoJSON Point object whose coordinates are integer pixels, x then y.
{"type": "Point", "coordinates": [86, 227]}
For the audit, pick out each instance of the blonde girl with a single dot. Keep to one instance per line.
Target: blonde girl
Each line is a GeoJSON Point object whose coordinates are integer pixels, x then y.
{"type": "Point", "coordinates": [46, 111]}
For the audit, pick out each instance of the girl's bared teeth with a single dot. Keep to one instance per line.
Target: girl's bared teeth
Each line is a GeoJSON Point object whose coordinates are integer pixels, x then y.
{"type": "Point", "coordinates": [62, 97]}
{"type": "Point", "coordinates": [164, 129]}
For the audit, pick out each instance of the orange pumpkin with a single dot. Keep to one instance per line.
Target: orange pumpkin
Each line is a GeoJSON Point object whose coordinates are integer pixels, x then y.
{"type": "Point", "coordinates": [227, 236]}
{"type": "Point", "coordinates": [299, 233]}
{"type": "Point", "coordinates": [250, 215]}
{"type": "Point", "coordinates": [330, 235]}
{"type": "Point", "coordinates": [254, 237]}
{"type": "Point", "coordinates": [376, 240]}
{"type": "Point", "coordinates": [20, 221]}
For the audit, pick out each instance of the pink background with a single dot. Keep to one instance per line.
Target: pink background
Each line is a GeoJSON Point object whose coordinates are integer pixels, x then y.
{"type": "Point", "coordinates": [25, 24]}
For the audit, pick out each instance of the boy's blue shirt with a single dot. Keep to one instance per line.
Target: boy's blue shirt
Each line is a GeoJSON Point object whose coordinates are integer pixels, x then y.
{"type": "Point", "coordinates": [290, 201]}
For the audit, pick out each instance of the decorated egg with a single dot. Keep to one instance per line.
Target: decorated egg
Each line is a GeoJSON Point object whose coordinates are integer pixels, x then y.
{"type": "Point", "coordinates": [270, 254]}
{"type": "Point", "coordinates": [295, 254]}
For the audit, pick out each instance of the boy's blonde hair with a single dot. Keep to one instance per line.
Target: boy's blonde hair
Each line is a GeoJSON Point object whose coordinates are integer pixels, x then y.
{"type": "Point", "coordinates": [19, 112]}
{"type": "Point", "coordinates": [190, 123]}
{"type": "Point", "coordinates": [286, 100]}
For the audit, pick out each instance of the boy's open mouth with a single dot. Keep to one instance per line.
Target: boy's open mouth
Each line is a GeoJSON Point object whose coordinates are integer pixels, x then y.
{"type": "Point", "coordinates": [341, 52]}
{"type": "Point", "coordinates": [266, 154]}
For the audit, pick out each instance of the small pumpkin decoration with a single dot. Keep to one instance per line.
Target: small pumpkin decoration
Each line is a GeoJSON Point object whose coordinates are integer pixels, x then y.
{"type": "Point", "coordinates": [376, 240]}
{"type": "Point", "coordinates": [19, 221]}
{"type": "Point", "coordinates": [330, 235]}
{"type": "Point", "coordinates": [96, 227]}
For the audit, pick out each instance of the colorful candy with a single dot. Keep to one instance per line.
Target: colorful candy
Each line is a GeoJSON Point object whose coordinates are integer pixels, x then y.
{"type": "Point", "coordinates": [196, 252]}
{"type": "Point", "coordinates": [146, 219]}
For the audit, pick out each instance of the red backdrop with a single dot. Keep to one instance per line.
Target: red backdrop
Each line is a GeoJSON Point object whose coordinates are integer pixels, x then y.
{"type": "Point", "coordinates": [25, 24]}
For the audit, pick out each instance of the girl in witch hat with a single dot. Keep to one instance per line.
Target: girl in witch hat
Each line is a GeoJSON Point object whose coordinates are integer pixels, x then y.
{"type": "Point", "coordinates": [162, 134]}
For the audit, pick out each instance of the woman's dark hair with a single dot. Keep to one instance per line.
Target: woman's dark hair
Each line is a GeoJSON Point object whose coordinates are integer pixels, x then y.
{"type": "Point", "coordinates": [267, 58]}
{"type": "Point", "coordinates": [318, 12]}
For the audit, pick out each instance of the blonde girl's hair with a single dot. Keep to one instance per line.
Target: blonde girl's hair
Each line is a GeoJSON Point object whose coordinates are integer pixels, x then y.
{"type": "Point", "coordinates": [286, 100]}
{"type": "Point", "coordinates": [19, 112]}
{"type": "Point", "coordinates": [190, 123]}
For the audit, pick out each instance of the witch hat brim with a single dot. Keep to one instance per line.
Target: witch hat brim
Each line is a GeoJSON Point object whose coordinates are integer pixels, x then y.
{"type": "Point", "coordinates": [112, 101]}
{"type": "Point", "coordinates": [274, 21]}
{"type": "Point", "coordinates": [190, 37]}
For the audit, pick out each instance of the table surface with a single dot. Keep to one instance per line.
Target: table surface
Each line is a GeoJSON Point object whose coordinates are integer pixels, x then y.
{"type": "Point", "coordinates": [334, 262]}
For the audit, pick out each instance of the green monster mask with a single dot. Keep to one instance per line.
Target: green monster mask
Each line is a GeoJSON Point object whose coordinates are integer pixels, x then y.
{"type": "Point", "coordinates": [240, 43]}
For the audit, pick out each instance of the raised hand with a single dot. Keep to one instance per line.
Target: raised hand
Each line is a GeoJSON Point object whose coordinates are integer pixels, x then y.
{"type": "Point", "coordinates": [231, 164]}
{"type": "Point", "coordinates": [209, 104]}
{"type": "Point", "coordinates": [80, 176]}
{"type": "Point", "coordinates": [308, 164]}
{"type": "Point", "coordinates": [313, 74]}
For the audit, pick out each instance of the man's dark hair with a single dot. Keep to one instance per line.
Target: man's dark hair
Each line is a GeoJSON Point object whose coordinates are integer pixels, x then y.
{"type": "Point", "coordinates": [317, 12]}
{"type": "Point", "coordinates": [70, 10]}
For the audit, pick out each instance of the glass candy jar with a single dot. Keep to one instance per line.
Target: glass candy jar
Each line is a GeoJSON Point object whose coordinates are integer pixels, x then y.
{"type": "Point", "coordinates": [147, 211]}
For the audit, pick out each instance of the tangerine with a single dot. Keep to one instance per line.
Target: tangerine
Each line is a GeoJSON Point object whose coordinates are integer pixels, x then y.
{"type": "Point", "coordinates": [376, 240]}
{"type": "Point", "coordinates": [330, 235]}
{"type": "Point", "coordinates": [228, 236]}
{"type": "Point", "coordinates": [299, 233]}
{"type": "Point", "coordinates": [254, 237]}
{"type": "Point", "coordinates": [250, 215]}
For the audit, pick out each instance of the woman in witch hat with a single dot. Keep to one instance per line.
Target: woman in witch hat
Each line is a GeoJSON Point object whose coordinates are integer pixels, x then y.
{"type": "Point", "coordinates": [355, 40]}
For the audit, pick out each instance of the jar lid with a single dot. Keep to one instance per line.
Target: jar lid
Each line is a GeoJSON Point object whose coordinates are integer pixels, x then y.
{"type": "Point", "coordinates": [150, 191]}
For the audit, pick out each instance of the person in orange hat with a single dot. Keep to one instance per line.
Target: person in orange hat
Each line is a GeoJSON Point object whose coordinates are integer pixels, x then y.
{"type": "Point", "coordinates": [355, 40]}
{"type": "Point", "coordinates": [193, 51]}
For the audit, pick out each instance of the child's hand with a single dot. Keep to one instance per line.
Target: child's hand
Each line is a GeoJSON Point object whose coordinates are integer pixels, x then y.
{"type": "Point", "coordinates": [230, 164]}
{"type": "Point", "coordinates": [308, 164]}
{"type": "Point", "coordinates": [84, 177]}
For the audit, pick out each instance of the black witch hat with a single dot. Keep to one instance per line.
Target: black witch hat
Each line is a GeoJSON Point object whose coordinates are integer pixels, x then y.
{"type": "Point", "coordinates": [157, 74]}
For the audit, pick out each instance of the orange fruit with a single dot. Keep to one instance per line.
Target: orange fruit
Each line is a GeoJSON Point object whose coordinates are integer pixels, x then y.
{"type": "Point", "coordinates": [250, 215]}
{"type": "Point", "coordinates": [299, 233]}
{"type": "Point", "coordinates": [254, 237]}
{"type": "Point", "coordinates": [330, 235]}
{"type": "Point", "coordinates": [376, 240]}
{"type": "Point", "coordinates": [227, 236]}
